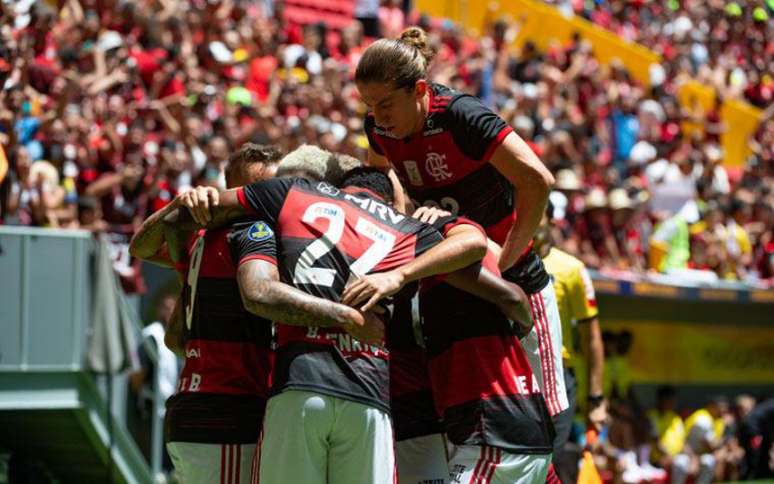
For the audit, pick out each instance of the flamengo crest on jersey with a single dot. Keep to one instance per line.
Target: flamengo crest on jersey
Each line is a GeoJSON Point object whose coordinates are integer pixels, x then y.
{"type": "Point", "coordinates": [447, 164]}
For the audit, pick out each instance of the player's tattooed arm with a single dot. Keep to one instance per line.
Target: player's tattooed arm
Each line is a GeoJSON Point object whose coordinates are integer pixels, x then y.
{"type": "Point", "coordinates": [509, 297]}
{"type": "Point", "coordinates": [264, 295]}
{"type": "Point", "coordinates": [148, 242]}
{"type": "Point", "coordinates": [207, 208]}
{"type": "Point", "coordinates": [173, 337]}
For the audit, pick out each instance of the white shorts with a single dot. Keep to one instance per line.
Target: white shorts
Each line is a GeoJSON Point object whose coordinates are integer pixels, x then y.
{"type": "Point", "coordinates": [474, 464]}
{"type": "Point", "coordinates": [422, 460]}
{"type": "Point", "coordinates": [543, 346]}
{"type": "Point", "coordinates": [312, 438]}
{"type": "Point", "coordinates": [207, 463]}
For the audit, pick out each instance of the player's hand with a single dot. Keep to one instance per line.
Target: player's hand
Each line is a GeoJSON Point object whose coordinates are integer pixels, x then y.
{"type": "Point", "coordinates": [429, 215]}
{"type": "Point", "coordinates": [371, 289]}
{"type": "Point", "coordinates": [517, 310]}
{"type": "Point", "coordinates": [199, 200]}
{"type": "Point", "coordinates": [370, 332]}
{"type": "Point", "coordinates": [598, 415]}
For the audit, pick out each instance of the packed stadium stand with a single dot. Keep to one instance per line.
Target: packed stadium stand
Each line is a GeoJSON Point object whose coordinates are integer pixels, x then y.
{"type": "Point", "coordinates": [664, 188]}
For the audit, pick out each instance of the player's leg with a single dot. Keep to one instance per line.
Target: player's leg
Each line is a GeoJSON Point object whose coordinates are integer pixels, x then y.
{"type": "Point", "coordinates": [422, 459]}
{"type": "Point", "coordinates": [554, 323]}
{"type": "Point", "coordinates": [472, 464]}
{"type": "Point", "coordinates": [294, 441]}
{"type": "Point", "coordinates": [566, 455]}
{"type": "Point", "coordinates": [206, 463]}
{"type": "Point", "coordinates": [543, 347]}
{"type": "Point", "coordinates": [362, 448]}
{"type": "Point", "coordinates": [707, 464]}
{"type": "Point", "coordinates": [243, 463]}
{"type": "Point", "coordinates": [680, 467]}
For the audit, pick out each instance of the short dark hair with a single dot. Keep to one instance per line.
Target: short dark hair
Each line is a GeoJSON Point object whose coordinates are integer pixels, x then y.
{"type": "Point", "coordinates": [251, 153]}
{"type": "Point", "coordinates": [370, 178]}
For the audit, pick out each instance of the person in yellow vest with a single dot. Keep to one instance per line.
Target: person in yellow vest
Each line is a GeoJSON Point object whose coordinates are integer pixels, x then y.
{"type": "Point", "coordinates": [668, 430]}
{"type": "Point", "coordinates": [577, 309]}
{"type": "Point", "coordinates": [704, 432]}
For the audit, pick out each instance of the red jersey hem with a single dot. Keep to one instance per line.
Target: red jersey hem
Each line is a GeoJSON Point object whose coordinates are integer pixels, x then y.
{"type": "Point", "coordinates": [266, 258]}
{"type": "Point", "coordinates": [243, 200]}
{"type": "Point", "coordinates": [497, 142]}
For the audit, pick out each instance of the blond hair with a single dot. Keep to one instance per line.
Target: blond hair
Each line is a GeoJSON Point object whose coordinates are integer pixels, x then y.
{"type": "Point", "coordinates": [307, 161]}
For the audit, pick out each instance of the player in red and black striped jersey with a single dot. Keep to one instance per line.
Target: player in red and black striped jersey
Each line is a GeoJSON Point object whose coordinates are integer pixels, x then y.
{"type": "Point", "coordinates": [491, 404]}
{"type": "Point", "coordinates": [482, 385]}
{"type": "Point", "coordinates": [451, 151]}
{"type": "Point", "coordinates": [330, 401]}
{"type": "Point", "coordinates": [217, 411]}
{"type": "Point", "coordinates": [212, 422]}
{"type": "Point", "coordinates": [420, 449]}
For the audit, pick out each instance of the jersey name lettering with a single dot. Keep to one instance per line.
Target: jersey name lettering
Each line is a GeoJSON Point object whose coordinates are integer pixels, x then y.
{"type": "Point", "coordinates": [376, 208]}
{"type": "Point", "coordinates": [346, 343]}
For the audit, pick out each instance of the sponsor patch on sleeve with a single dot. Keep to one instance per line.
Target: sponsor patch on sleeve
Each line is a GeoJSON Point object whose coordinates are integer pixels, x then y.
{"type": "Point", "coordinates": [259, 231]}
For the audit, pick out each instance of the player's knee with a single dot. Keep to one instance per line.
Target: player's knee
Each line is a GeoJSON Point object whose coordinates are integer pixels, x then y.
{"type": "Point", "coordinates": [707, 461]}
{"type": "Point", "coordinates": [681, 462]}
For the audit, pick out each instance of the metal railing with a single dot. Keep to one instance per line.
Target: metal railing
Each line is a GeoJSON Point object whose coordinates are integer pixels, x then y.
{"type": "Point", "coordinates": [62, 312]}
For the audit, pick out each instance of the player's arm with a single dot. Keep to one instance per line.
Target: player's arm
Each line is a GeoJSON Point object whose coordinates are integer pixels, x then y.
{"type": "Point", "coordinates": [173, 336]}
{"type": "Point", "coordinates": [482, 135]}
{"type": "Point", "coordinates": [583, 303]}
{"type": "Point", "coordinates": [207, 211]}
{"type": "Point", "coordinates": [263, 294]}
{"type": "Point", "coordinates": [149, 242]}
{"type": "Point", "coordinates": [464, 245]}
{"type": "Point", "coordinates": [262, 200]}
{"type": "Point", "coordinates": [516, 161]}
{"type": "Point", "coordinates": [509, 297]}
{"type": "Point", "coordinates": [595, 351]}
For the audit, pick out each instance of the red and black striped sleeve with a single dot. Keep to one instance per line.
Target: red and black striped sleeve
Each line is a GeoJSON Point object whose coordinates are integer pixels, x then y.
{"type": "Point", "coordinates": [427, 237]}
{"type": "Point", "coordinates": [264, 199]}
{"type": "Point", "coordinates": [445, 224]}
{"type": "Point", "coordinates": [477, 130]}
{"type": "Point", "coordinates": [251, 241]}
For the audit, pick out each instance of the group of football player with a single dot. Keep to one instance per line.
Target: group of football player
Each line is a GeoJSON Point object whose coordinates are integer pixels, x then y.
{"type": "Point", "coordinates": [366, 323]}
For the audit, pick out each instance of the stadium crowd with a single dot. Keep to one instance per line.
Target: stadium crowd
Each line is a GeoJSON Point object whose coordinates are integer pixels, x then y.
{"type": "Point", "coordinates": [110, 108]}
{"type": "Point", "coordinates": [723, 44]}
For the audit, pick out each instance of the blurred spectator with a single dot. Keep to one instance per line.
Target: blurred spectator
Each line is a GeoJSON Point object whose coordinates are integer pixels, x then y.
{"type": "Point", "coordinates": [667, 428]}
{"type": "Point", "coordinates": [704, 430]}
{"type": "Point", "coordinates": [756, 435]}
{"type": "Point", "coordinates": [152, 377]}
{"type": "Point", "coordinates": [722, 44]}
{"type": "Point", "coordinates": [670, 245]}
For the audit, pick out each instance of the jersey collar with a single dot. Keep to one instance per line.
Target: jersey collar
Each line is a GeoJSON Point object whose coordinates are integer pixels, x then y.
{"type": "Point", "coordinates": [352, 190]}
